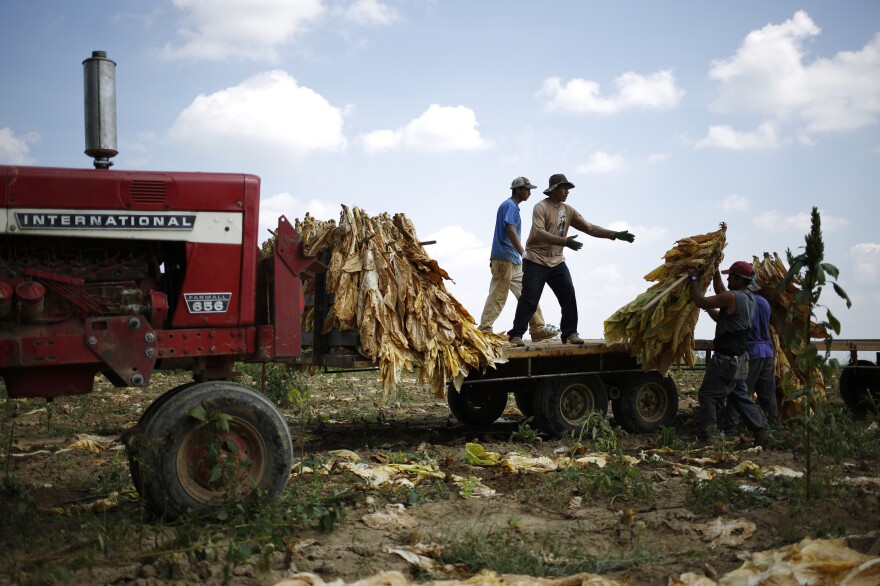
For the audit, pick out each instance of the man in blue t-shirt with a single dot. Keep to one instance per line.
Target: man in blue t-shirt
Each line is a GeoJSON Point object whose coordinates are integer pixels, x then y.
{"type": "Point", "coordinates": [762, 369]}
{"type": "Point", "coordinates": [505, 262]}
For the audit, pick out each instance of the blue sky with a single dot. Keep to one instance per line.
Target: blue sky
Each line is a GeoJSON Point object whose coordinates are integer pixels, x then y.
{"type": "Point", "coordinates": [670, 117]}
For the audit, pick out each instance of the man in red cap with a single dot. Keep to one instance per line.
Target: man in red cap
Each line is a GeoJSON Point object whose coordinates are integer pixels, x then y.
{"type": "Point", "coordinates": [725, 379]}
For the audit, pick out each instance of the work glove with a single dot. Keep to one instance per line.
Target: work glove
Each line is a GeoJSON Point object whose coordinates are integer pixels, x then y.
{"type": "Point", "coordinates": [573, 244]}
{"type": "Point", "coordinates": [625, 235]}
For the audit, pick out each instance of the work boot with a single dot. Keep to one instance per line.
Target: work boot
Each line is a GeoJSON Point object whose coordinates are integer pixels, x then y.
{"type": "Point", "coordinates": [516, 341]}
{"type": "Point", "coordinates": [765, 439]}
{"type": "Point", "coordinates": [573, 339]}
{"type": "Point", "coordinates": [545, 333]}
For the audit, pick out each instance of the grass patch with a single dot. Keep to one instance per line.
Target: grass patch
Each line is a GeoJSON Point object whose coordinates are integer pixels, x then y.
{"type": "Point", "coordinates": [510, 550]}
{"type": "Point", "coordinates": [710, 497]}
{"type": "Point", "coordinates": [617, 479]}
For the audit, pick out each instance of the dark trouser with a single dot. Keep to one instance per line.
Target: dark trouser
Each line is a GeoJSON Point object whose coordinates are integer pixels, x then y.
{"type": "Point", "coordinates": [762, 380]}
{"type": "Point", "coordinates": [721, 383]}
{"type": "Point", "coordinates": [535, 276]}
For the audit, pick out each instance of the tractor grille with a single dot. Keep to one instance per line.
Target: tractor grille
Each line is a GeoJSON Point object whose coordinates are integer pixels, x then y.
{"type": "Point", "coordinates": [148, 192]}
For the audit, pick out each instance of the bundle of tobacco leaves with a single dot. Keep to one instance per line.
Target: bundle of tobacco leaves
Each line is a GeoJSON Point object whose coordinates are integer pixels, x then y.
{"type": "Point", "coordinates": [659, 324]}
{"type": "Point", "coordinates": [787, 316]}
{"type": "Point", "coordinates": [386, 287]}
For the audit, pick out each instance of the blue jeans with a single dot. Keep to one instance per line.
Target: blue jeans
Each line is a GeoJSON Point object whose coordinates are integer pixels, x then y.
{"type": "Point", "coordinates": [535, 276]}
{"type": "Point", "coordinates": [762, 380]}
{"type": "Point", "coordinates": [722, 382]}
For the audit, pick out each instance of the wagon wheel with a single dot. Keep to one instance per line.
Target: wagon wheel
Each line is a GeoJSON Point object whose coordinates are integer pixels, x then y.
{"type": "Point", "coordinates": [563, 405]}
{"type": "Point", "coordinates": [476, 404]}
{"type": "Point", "coordinates": [525, 402]}
{"type": "Point", "coordinates": [647, 402]}
{"type": "Point", "coordinates": [196, 463]}
{"type": "Point", "coordinates": [860, 388]}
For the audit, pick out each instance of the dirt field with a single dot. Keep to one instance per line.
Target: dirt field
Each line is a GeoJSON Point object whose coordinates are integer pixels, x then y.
{"type": "Point", "coordinates": [631, 508]}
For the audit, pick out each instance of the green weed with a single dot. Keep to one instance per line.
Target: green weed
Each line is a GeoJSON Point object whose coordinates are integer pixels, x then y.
{"type": "Point", "coordinates": [525, 434]}
{"type": "Point", "coordinates": [617, 479]}
{"type": "Point", "coordinates": [726, 491]}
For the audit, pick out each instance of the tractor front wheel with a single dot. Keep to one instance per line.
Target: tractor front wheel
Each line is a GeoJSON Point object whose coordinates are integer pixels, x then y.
{"type": "Point", "coordinates": [209, 443]}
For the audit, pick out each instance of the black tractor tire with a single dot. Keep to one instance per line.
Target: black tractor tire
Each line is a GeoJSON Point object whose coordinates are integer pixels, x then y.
{"type": "Point", "coordinates": [175, 449]}
{"type": "Point", "coordinates": [647, 402]}
{"type": "Point", "coordinates": [562, 405]}
{"type": "Point", "coordinates": [134, 438]}
{"type": "Point", "coordinates": [476, 404]}
{"type": "Point", "coordinates": [860, 388]}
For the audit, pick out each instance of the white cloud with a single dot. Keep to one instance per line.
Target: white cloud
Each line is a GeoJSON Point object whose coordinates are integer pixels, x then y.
{"type": "Point", "coordinates": [658, 158]}
{"type": "Point", "coordinates": [769, 76]}
{"type": "Point", "coordinates": [284, 204]}
{"type": "Point", "coordinates": [634, 91]}
{"type": "Point", "coordinates": [455, 241]}
{"type": "Point", "coordinates": [866, 257]}
{"type": "Point", "coordinates": [370, 12]}
{"type": "Point", "coordinates": [466, 258]}
{"type": "Point", "coordinates": [764, 137]}
{"type": "Point", "coordinates": [645, 236]}
{"type": "Point", "coordinates": [607, 273]}
{"type": "Point", "coordinates": [774, 221]}
{"type": "Point", "coordinates": [438, 129]}
{"type": "Point", "coordinates": [266, 113]}
{"type": "Point", "coordinates": [601, 162]}
{"type": "Point", "coordinates": [736, 203]}
{"type": "Point", "coordinates": [253, 29]}
{"type": "Point", "coordinates": [14, 149]}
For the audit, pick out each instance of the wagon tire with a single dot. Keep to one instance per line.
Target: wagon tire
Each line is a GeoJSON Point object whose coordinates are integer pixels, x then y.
{"type": "Point", "coordinates": [181, 453]}
{"type": "Point", "coordinates": [860, 388]}
{"type": "Point", "coordinates": [525, 402]}
{"type": "Point", "coordinates": [647, 402]}
{"type": "Point", "coordinates": [476, 405]}
{"type": "Point", "coordinates": [563, 405]}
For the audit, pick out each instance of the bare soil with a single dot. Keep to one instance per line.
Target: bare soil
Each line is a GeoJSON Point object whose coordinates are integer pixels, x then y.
{"type": "Point", "coordinates": [51, 530]}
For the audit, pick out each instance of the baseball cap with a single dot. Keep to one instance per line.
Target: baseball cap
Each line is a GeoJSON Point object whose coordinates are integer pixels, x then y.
{"type": "Point", "coordinates": [741, 268]}
{"type": "Point", "coordinates": [521, 182]}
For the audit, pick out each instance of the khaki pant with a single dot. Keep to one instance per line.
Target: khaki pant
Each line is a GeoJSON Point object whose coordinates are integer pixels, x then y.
{"type": "Point", "coordinates": [506, 276]}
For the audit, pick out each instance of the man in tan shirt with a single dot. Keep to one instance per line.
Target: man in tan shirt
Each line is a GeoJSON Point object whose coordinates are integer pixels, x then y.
{"type": "Point", "coordinates": [544, 264]}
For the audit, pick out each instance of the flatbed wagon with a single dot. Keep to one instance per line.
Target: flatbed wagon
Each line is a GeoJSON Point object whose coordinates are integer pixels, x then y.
{"type": "Point", "coordinates": [560, 385]}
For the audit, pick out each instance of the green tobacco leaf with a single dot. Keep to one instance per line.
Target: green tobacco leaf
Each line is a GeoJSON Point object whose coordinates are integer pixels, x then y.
{"type": "Point", "coordinates": [830, 269]}
{"type": "Point", "coordinates": [198, 412]}
{"type": "Point", "coordinates": [842, 294]}
{"type": "Point", "coordinates": [833, 322]}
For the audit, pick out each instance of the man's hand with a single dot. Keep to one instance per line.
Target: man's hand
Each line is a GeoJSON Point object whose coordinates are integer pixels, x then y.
{"type": "Point", "coordinates": [625, 235]}
{"type": "Point", "coordinates": [573, 244]}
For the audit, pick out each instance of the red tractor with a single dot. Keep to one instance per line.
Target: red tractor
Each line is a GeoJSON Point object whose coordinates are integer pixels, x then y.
{"type": "Point", "coordinates": [121, 273]}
